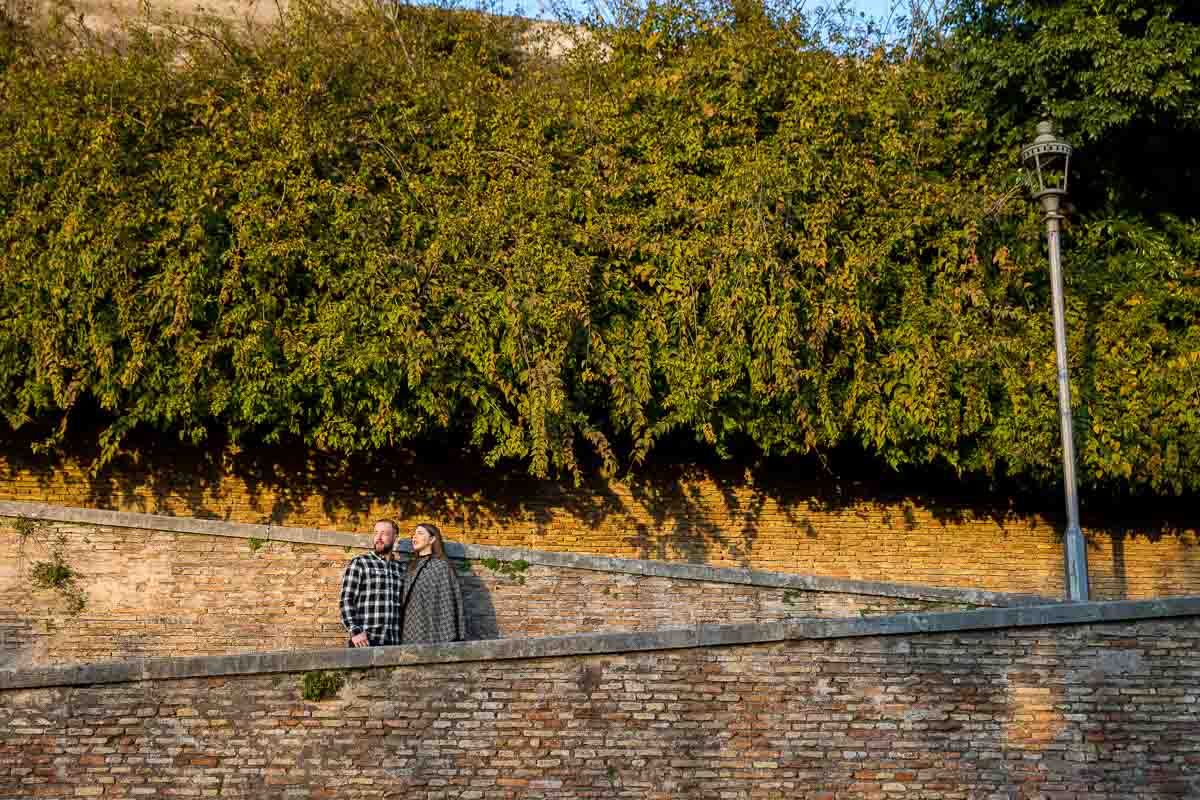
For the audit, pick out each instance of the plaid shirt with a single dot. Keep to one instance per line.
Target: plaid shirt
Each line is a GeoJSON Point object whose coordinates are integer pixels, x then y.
{"type": "Point", "coordinates": [371, 593]}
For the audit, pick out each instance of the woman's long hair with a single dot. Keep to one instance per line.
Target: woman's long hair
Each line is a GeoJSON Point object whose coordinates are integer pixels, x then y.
{"type": "Point", "coordinates": [438, 550]}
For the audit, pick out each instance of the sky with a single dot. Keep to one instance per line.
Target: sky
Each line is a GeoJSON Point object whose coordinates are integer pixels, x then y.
{"type": "Point", "coordinates": [878, 9]}
{"type": "Point", "coordinates": [885, 13]}
{"type": "Point", "coordinates": [873, 8]}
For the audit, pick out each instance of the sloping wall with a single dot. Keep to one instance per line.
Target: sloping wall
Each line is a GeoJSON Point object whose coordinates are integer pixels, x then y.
{"type": "Point", "coordinates": [1076, 701]}
{"type": "Point", "coordinates": [160, 586]}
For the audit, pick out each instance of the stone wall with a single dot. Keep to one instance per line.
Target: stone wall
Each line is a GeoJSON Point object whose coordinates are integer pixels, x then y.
{"type": "Point", "coordinates": [767, 519]}
{"type": "Point", "coordinates": [999, 704]}
{"type": "Point", "coordinates": [156, 587]}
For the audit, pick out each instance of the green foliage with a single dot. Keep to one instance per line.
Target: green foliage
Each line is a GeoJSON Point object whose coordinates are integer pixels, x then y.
{"type": "Point", "coordinates": [255, 544]}
{"type": "Point", "coordinates": [27, 528]}
{"type": "Point", "coordinates": [14, 29]}
{"type": "Point", "coordinates": [320, 685]}
{"type": "Point", "coordinates": [513, 570]}
{"type": "Point", "coordinates": [1121, 78]}
{"type": "Point", "coordinates": [1124, 80]}
{"type": "Point", "coordinates": [52, 574]}
{"type": "Point", "coordinates": [1093, 65]}
{"type": "Point", "coordinates": [1141, 388]}
{"type": "Point", "coordinates": [361, 229]}
{"type": "Point", "coordinates": [55, 573]}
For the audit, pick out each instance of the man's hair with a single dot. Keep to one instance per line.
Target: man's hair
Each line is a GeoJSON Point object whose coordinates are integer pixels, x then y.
{"type": "Point", "coordinates": [392, 523]}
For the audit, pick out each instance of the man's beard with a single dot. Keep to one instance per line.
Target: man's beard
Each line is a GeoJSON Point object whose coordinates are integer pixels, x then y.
{"type": "Point", "coordinates": [384, 550]}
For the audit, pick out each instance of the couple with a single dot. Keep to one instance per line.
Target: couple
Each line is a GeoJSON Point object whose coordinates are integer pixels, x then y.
{"type": "Point", "coordinates": [386, 602]}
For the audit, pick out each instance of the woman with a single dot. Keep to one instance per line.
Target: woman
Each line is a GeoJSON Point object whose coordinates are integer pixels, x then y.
{"type": "Point", "coordinates": [432, 609]}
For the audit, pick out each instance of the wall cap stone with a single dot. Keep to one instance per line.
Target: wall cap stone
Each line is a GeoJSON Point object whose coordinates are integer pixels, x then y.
{"type": "Point", "coordinates": [547, 558]}
{"type": "Point", "coordinates": [597, 643]}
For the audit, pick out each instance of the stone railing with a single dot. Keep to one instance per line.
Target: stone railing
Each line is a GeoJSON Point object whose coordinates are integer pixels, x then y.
{"type": "Point", "coordinates": [1084, 700]}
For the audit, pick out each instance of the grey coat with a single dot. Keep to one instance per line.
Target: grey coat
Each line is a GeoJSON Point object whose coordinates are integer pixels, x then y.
{"type": "Point", "coordinates": [433, 608]}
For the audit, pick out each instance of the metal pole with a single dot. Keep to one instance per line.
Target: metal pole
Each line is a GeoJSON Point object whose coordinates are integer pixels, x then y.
{"type": "Point", "coordinates": [1073, 541]}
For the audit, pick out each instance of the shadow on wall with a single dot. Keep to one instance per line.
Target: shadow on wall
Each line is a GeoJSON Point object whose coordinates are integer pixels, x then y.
{"type": "Point", "coordinates": [480, 611]}
{"type": "Point", "coordinates": [701, 512]}
{"type": "Point", "coordinates": [19, 643]}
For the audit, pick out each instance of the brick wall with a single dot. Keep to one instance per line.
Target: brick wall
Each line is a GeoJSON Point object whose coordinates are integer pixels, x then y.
{"type": "Point", "coordinates": [1098, 711]}
{"type": "Point", "coordinates": [764, 519]}
{"type": "Point", "coordinates": [158, 593]}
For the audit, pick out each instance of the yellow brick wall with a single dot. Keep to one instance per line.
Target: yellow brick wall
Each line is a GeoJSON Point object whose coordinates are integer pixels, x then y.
{"type": "Point", "coordinates": [161, 593]}
{"type": "Point", "coordinates": [720, 516]}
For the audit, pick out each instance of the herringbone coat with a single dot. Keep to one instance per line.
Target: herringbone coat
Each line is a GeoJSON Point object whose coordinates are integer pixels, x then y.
{"type": "Point", "coordinates": [433, 608]}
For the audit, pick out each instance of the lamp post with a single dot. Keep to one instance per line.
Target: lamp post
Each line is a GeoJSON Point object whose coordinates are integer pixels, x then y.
{"type": "Point", "coordinates": [1047, 162]}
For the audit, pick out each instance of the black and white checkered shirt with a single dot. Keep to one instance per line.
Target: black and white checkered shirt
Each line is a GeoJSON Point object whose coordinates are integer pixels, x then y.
{"type": "Point", "coordinates": [371, 594]}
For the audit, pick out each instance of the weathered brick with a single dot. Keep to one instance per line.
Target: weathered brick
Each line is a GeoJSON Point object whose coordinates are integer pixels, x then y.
{"type": "Point", "coordinates": [1025, 728]}
{"type": "Point", "coordinates": [141, 605]}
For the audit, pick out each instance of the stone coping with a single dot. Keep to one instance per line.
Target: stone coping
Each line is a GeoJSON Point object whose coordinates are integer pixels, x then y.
{"type": "Point", "coordinates": [549, 558]}
{"type": "Point", "coordinates": [149, 669]}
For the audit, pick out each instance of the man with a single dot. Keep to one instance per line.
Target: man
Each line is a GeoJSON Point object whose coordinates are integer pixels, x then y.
{"type": "Point", "coordinates": [371, 592]}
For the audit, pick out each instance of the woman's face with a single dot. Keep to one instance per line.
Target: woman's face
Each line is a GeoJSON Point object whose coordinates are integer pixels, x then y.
{"type": "Point", "coordinates": [422, 541]}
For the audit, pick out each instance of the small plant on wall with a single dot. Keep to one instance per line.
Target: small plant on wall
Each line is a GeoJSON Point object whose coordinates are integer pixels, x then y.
{"type": "Point", "coordinates": [513, 570]}
{"type": "Point", "coordinates": [321, 685]}
{"type": "Point", "coordinates": [54, 572]}
{"type": "Point", "coordinates": [57, 574]}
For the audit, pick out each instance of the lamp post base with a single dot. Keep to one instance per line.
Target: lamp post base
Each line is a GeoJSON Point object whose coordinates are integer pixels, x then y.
{"type": "Point", "coordinates": [1077, 573]}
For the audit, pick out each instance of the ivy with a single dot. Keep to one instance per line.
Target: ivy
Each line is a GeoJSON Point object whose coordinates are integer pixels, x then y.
{"type": "Point", "coordinates": [318, 685]}
{"type": "Point", "coordinates": [55, 572]}
{"type": "Point", "coordinates": [364, 229]}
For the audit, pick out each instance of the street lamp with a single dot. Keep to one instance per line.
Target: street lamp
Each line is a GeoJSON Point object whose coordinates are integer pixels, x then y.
{"type": "Point", "coordinates": [1047, 163]}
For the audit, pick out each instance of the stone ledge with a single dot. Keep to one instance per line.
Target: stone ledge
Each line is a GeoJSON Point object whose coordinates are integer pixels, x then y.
{"type": "Point", "coordinates": [547, 558]}
{"type": "Point", "coordinates": [162, 522]}
{"type": "Point", "coordinates": [599, 643]}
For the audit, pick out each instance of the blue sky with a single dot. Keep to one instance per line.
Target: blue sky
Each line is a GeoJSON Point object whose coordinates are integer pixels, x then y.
{"type": "Point", "coordinates": [876, 8]}
{"type": "Point", "coordinates": [879, 9]}
{"type": "Point", "coordinates": [873, 8]}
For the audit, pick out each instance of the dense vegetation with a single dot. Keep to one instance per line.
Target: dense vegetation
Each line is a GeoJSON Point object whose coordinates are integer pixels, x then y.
{"type": "Point", "coordinates": [364, 228]}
